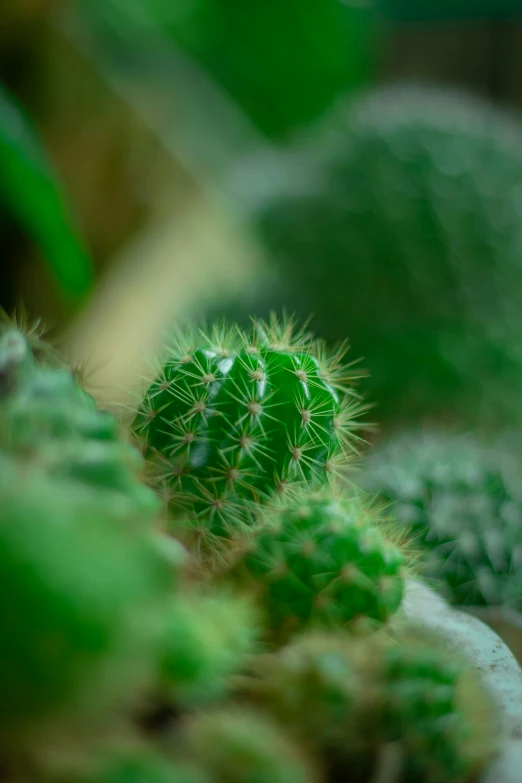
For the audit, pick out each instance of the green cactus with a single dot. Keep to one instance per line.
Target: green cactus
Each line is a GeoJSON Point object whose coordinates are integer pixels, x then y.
{"type": "Point", "coordinates": [81, 604]}
{"type": "Point", "coordinates": [397, 223]}
{"type": "Point", "coordinates": [461, 504]}
{"type": "Point", "coordinates": [360, 705]}
{"type": "Point", "coordinates": [236, 745]}
{"type": "Point", "coordinates": [233, 418]}
{"type": "Point", "coordinates": [319, 560]}
{"type": "Point", "coordinates": [208, 640]}
{"type": "Point", "coordinates": [48, 419]}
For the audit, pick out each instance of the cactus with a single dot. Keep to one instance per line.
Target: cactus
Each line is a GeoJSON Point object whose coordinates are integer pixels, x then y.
{"type": "Point", "coordinates": [208, 640]}
{"type": "Point", "coordinates": [234, 418]}
{"type": "Point", "coordinates": [397, 223]}
{"type": "Point", "coordinates": [316, 559]}
{"type": "Point", "coordinates": [80, 603]}
{"type": "Point", "coordinates": [405, 703]}
{"type": "Point", "coordinates": [461, 505]}
{"type": "Point", "coordinates": [237, 745]}
{"type": "Point", "coordinates": [47, 418]}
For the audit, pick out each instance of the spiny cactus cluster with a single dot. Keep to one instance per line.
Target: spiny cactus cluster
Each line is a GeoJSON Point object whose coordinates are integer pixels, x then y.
{"type": "Point", "coordinates": [460, 504]}
{"type": "Point", "coordinates": [285, 662]}
{"type": "Point", "coordinates": [316, 559]}
{"type": "Point", "coordinates": [234, 418]}
{"type": "Point", "coordinates": [396, 222]}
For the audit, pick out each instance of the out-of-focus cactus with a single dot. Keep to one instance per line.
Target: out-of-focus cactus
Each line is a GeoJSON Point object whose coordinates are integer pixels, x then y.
{"type": "Point", "coordinates": [461, 505]}
{"type": "Point", "coordinates": [398, 223]}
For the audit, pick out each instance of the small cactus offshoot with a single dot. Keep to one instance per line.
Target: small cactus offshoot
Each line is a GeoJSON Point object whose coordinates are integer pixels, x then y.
{"type": "Point", "coordinates": [460, 504]}
{"type": "Point", "coordinates": [233, 418]}
{"type": "Point", "coordinates": [316, 559]}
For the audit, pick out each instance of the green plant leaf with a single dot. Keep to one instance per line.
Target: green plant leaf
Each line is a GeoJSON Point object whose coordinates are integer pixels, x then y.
{"type": "Point", "coordinates": [31, 192]}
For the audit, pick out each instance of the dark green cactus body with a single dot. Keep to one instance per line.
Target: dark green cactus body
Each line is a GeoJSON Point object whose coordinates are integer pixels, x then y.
{"type": "Point", "coordinates": [237, 420]}
{"type": "Point", "coordinates": [319, 560]}
{"type": "Point", "coordinates": [462, 506]}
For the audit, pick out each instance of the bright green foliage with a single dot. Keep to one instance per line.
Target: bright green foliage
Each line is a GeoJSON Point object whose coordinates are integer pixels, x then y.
{"type": "Point", "coordinates": [48, 419]}
{"type": "Point", "coordinates": [461, 504]}
{"type": "Point", "coordinates": [398, 224]}
{"type": "Point", "coordinates": [348, 699]}
{"type": "Point", "coordinates": [208, 640]}
{"type": "Point", "coordinates": [319, 560]}
{"type": "Point", "coordinates": [233, 418]}
{"type": "Point", "coordinates": [240, 746]}
{"type": "Point", "coordinates": [80, 603]}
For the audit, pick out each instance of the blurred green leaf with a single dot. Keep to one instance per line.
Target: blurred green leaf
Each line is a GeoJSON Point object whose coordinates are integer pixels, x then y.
{"type": "Point", "coordinates": [448, 10]}
{"type": "Point", "coordinates": [31, 192]}
{"type": "Point", "coordinates": [284, 63]}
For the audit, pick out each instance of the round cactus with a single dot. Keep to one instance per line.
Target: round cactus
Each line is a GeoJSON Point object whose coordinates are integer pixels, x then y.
{"type": "Point", "coordinates": [461, 505]}
{"type": "Point", "coordinates": [48, 419]}
{"type": "Point", "coordinates": [407, 704]}
{"type": "Point", "coordinates": [240, 746]}
{"type": "Point", "coordinates": [234, 418]}
{"type": "Point", "coordinates": [208, 640]}
{"type": "Point", "coordinates": [315, 559]}
{"type": "Point", "coordinates": [397, 223]}
{"type": "Point", "coordinates": [81, 603]}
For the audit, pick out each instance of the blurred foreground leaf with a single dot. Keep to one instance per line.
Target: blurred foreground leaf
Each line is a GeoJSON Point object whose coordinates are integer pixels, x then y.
{"type": "Point", "coordinates": [30, 191]}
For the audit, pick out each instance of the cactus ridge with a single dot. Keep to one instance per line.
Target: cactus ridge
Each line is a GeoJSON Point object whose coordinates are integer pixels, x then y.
{"type": "Point", "coordinates": [234, 418]}
{"type": "Point", "coordinates": [316, 559]}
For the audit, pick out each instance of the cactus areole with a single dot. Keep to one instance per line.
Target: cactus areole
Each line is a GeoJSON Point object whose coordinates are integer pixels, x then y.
{"type": "Point", "coordinates": [234, 418]}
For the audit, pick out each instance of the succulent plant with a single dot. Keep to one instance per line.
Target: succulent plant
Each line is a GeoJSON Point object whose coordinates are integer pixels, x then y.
{"type": "Point", "coordinates": [48, 419]}
{"type": "Point", "coordinates": [404, 703]}
{"type": "Point", "coordinates": [316, 559]}
{"type": "Point", "coordinates": [80, 600]}
{"type": "Point", "coordinates": [461, 504]}
{"type": "Point", "coordinates": [233, 418]}
{"type": "Point", "coordinates": [397, 223]}
{"type": "Point", "coordinates": [209, 638]}
{"type": "Point", "coordinates": [236, 745]}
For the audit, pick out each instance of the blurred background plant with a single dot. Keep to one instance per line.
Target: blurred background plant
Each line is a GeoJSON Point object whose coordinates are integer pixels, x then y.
{"type": "Point", "coordinates": [135, 135]}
